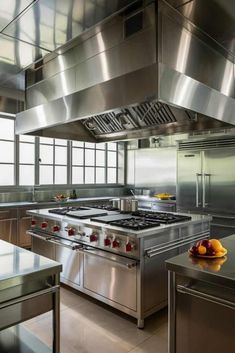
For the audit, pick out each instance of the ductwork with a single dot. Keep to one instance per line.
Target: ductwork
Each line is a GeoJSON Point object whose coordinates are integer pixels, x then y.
{"type": "Point", "coordinates": [146, 71]}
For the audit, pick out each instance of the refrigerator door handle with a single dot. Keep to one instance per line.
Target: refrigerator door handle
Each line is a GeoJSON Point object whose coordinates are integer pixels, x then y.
{"type": "Point", "coordinates": [204, 203]}
{"type": "Point", "coordinates": [197, 189]}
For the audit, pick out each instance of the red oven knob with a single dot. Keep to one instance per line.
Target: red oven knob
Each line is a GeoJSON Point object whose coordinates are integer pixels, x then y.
{"type": "Point", "coordinates": [55, 228]}
{"type": "Point", "coordinates": [44, 225]}
{"type": "Point", "coordinates": [107, 241]}
{"type": "Point", "coordinates": [33, 223]}
{"type": "Point", "coordinates": [71, 231]}
{"type": "Point", "coordinates": [116, 244]}
{"type": "Point", "coordinates": [93, 237]}
{"type": "Point", "coordinates": [129, 246]}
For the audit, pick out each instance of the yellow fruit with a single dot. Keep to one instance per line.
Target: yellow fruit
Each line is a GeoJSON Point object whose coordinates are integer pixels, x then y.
{"type": "Point", "coordinates": [202, 250]}
{"type": "Point", "coordinates": [219, 253]}
{"type": "Point", "coordinates": [216, 244]}
{"type": "Point", "coordinates": [223, 249]}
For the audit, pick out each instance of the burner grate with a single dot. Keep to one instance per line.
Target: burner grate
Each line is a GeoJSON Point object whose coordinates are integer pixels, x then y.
{"type": "Point", "coordinates": [136, 223]}
{"type": "Point", "coordinates": [162, 217]}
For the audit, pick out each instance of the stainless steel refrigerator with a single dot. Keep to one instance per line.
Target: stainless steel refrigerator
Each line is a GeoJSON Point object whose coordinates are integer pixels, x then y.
{"type": "Point", "coordinates": [206, 181]}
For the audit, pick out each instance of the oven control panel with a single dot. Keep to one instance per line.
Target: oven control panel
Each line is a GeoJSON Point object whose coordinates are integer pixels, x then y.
{"type": "Point", "coordinates": [103, 239]}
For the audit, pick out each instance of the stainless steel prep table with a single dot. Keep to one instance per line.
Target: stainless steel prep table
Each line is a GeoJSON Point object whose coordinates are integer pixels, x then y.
{"type": "Point", "coordinates": [29, 286]}
{"type": "Point", "coordinates": [202, 302]}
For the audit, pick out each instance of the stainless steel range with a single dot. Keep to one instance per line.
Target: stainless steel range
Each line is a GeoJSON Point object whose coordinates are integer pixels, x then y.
{"type": "Point", "coordinates": [116, 257]}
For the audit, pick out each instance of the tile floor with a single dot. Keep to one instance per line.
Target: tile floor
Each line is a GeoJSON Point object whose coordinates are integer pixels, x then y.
{"type": "Point", "coordinates": [88, 326]}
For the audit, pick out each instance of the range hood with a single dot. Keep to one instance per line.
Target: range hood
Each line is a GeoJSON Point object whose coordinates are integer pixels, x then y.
{"type": "Point", "coordinates": [146, 71]}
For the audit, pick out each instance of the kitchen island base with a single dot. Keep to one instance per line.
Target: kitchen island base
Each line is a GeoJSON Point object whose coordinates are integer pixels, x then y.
{"type": "Point", "coordinates": [202, 303]}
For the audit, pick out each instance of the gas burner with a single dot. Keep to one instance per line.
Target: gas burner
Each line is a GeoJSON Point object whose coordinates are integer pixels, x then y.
{"type": "Point", "coordinates": [104, 207]}
{"type": "Point", "coordinates": [65, 210]}
{"type": "Point", "coordinates": [135, 223]}
{"type": "Point", "coordinates": [161, 217]}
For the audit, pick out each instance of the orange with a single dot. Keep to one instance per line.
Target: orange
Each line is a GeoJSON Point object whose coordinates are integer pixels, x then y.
{"type": "Point", "coordinates": [216, 244]}
{"type": "Point", "coordinates": [202, 250]}
{"type": "Point", "coordinates": [219, 253]}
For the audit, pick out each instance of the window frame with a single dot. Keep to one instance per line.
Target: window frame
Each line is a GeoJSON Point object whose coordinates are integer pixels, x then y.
{"type": "Point", "coordinates": [69, 165]}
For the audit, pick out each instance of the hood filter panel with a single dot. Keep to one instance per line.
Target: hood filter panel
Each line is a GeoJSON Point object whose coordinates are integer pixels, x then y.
{"type": "Point", "coordinates": [143, 115]}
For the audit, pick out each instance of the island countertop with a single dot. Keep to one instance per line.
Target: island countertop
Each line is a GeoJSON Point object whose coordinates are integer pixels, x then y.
{"type": "Point", "coordinates": [203, 269]}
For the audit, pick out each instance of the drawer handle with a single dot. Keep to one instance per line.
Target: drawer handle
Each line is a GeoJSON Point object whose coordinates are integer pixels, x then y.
{"type": "Point", "coordinates": [208, 297]}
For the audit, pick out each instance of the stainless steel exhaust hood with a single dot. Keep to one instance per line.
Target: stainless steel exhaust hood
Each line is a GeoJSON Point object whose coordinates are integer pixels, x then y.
{"type": "Point", "coordinates": [146, 71]}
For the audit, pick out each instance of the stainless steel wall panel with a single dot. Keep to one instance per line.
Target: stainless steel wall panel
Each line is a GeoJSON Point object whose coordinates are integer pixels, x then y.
{"type": "Point", "coordinates": [156, 168]}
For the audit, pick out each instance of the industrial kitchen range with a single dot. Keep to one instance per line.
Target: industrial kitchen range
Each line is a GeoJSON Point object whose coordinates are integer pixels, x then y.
{"type": "Point", "coordinates": [117, 258]}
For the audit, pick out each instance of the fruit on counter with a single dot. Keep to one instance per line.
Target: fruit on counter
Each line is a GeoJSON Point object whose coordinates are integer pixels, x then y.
{"type": "Point", "coordinates": [163, 196]}
{"type": "Point", "coordinates": [208, 247]}
{"type": "Point", "coordinates": [202, 250]}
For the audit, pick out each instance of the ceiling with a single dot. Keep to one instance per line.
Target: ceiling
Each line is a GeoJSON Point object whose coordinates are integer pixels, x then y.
{"type": "Point", "coordinates": [31, 29]}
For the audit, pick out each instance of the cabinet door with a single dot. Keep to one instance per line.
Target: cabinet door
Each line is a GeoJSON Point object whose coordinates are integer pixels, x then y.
{"type": "Point", "coordinates": [24, 239]}
{"type": "Point", "coordinates": [189, 180]}
{"type": "Point", "coordinates": [219, 179]}
{"type": "Point", "coordinates": [72, 265]}
{"type": "Point", "coordinates": [8, 230]}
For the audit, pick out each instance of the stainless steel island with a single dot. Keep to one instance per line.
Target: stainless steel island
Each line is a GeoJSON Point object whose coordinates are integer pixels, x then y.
{"type": "Point", "coordinates": [202, 302]}
{"type": "Point", "coordinates": [29, 286]}
{"type": "Point", "coordinates": [123, 267]}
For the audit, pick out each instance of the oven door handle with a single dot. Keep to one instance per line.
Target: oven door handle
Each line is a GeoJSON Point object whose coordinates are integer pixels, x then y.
{"type": "Point", "coordinates": [208, 297]}
{"type": "Point", "coordinates": [159, 251]}
{"type": "Point", "coordinates": [175, 244]}
{"type": "Point", "coordinates": [58, 242]}
{"type": "Point", "coordinates": [37, 235]}
{"type": "Point", "coordinates": [127, 263]}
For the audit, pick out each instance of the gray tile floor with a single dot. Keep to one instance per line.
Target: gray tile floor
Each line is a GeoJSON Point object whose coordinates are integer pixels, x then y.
{"type": "Point", "coordinates": [88, 326]}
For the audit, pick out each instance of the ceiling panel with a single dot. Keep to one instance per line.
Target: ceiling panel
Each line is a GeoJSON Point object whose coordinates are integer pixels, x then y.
{"type": "Point", "coordinates": [50, 24]}
{"type": "Point", "coordinates": [15, 56]}
{"type": "Point", "coordinates": [9, 9]}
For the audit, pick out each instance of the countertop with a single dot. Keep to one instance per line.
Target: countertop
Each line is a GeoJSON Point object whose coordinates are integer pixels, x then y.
{"type": "Point", "coordinates": [17, 264]}
{"type": "Point", "coordinates": [45, 214]}
{"type": "Point", "coordinates": [153, 199]}
{"type": "Point", "coordinates": [18, 204]}
{"type": "Point", "coordinates": [218, 271]}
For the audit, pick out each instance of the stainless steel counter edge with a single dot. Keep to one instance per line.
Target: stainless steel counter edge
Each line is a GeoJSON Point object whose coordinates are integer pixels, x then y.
{"type": "Point", "coordinates": [139, 234]}
{"type": "Point", "coordinates": [51, 203]}
{"type": "Point", "coordinates": [36, 265]}
{"type": "Point", "coordinates": [183, 265]}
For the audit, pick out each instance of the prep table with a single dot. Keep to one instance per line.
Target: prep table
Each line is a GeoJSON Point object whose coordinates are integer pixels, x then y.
{"type": "Point", "coordinates": [29, 286]}
{"type": "Point", "coordinates": [202, 302]}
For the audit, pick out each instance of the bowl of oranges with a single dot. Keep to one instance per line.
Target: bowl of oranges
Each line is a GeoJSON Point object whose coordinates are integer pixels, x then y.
{"type": "Point", "coordinates": [208, 248]}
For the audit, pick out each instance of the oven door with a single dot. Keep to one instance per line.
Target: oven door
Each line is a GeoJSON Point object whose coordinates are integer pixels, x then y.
{"type": "Point", "coordinates": [111, 276]}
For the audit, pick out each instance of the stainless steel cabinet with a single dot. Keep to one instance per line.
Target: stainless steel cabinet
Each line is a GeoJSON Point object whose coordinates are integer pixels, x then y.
{"type": "Point", "coordinates": [205, 319]}
{"type": "Point", "coordinates": [8, 225]}
{"type": "Point", "coordinates": [189, 176]}
{"type": "Point", "coordinates": [24, 224]}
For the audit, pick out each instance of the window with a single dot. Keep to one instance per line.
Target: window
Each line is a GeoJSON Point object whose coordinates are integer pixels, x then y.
{"type": "Point", "coordinates": [26, 160]}
{"type": "Point", "coordinates": [7, 151]}
{"type": "Point", "coordinates": [94, 163]}
{"type": "Point", "coordinates": [53, 161]}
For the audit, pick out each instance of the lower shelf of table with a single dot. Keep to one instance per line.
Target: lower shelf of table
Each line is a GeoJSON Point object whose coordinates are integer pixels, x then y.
{"type": "Point", "coordinates": [17, 339]}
